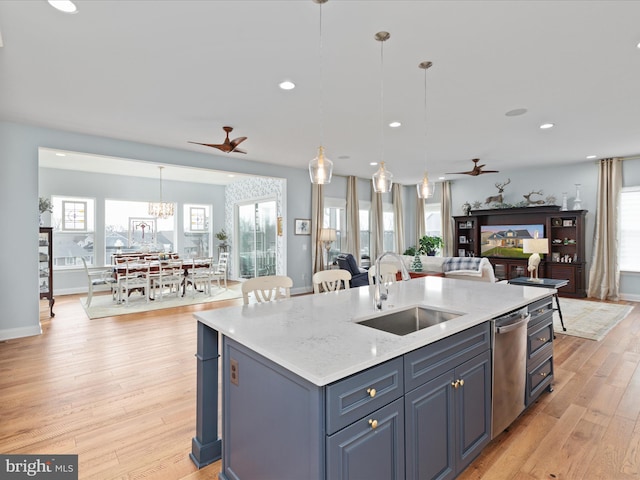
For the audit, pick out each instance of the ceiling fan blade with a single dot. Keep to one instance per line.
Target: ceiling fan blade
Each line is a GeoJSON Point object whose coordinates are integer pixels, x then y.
{"type": "Point", "coordinates": [238, 141]}
{"type": "Point", "coordinates": [470, 172]}
{"type": "Point", "coordinates": [223, 147]}
{"type": "Point", "coordinates": [237, 150]}
{"type": "Point", "coordinates": [489, 171]}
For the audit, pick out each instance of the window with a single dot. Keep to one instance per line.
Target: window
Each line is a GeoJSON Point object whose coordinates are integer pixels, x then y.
{"type": "Point", "coordinates": [365, 231]}
{"type": "Point", "coordinates": [433, 219]}
{"type": "Point", "coordinates": [388, 228]}
{"type": "Point", "coordinates": [335, 217]}
{"type": "Point", "coordinates": [129, 228]}
{"type": "Point", "coordinates": [629, 229]}
{"type": "Point", "coordinates": [197, 231]}
{"type": "Point", "coordinates": [73, 221]}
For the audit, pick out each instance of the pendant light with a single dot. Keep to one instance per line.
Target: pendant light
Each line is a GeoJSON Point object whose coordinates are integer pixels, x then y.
{"type": "Point", "coordinates": [320, 168]}
{"type": "Point", "coordinates": [383, 178]}
{"type": "Point", "coordinates": [425, 188]}
{"type": "Point", "coordinates": [161, 209]}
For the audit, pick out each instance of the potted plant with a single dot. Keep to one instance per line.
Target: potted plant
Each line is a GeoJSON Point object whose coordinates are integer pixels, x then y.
{"type": "Point", "coordinates": [223, 237]}
{"type": "Point", "coordinates": [428, 245]}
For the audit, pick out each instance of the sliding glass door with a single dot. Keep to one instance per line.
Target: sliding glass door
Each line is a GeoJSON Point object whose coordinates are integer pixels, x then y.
{"type": "Point", "coordinates": [256, 223]}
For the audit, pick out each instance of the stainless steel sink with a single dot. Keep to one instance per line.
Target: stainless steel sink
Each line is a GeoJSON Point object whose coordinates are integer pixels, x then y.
{"type": "Point", "coordinates": [409, 320]}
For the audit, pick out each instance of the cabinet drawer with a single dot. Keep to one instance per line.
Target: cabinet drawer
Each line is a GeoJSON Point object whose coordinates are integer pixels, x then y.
{"type": "Point", "coordinates": [352, 398]}
{"type": "Point", "coordinates": [540, 308]}
{"type": "Point", "coordinates": [540, 335]}
{"type": "Point", "coordinates": [430, 361]}
{"type": "Point", "coordinates": [539, 377]}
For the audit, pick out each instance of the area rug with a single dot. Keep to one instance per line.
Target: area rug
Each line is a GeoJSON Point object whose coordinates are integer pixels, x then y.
{"type": "Point", "coordinates": [588, 319]}
{"type": "Point", "coordinates": [103, 306]}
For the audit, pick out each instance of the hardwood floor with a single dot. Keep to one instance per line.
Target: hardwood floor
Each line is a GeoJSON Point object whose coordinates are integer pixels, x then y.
{"type": "Point", "coordinates": [120, 393]}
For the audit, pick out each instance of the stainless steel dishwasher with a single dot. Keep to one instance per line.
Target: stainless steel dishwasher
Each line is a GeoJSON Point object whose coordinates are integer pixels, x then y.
{"type": "Point", "coordinates": [509, 350]}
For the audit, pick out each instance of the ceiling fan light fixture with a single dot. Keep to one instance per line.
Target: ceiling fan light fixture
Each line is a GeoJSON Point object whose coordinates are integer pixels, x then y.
{"type": "Point", "coordinates": [320, 168]}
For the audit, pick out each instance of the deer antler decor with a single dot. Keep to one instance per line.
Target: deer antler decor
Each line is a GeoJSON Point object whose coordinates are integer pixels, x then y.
{"type": "Point", "coordinates": [534, 202]}
{"type": "Point", "coordinates": [498, 198]}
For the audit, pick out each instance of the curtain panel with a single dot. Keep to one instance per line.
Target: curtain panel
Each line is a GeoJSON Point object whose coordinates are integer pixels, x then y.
{"type": "Point", "coordinates": [352, 242]}
{"type": "Point", "coordinates": [317, 218]}
{"type": "Point", "coordinates": [447, 220]}
{"type": "Point", "coordinates": [604, 276]}
{"type": "Point", "coordinates": [398, 218]}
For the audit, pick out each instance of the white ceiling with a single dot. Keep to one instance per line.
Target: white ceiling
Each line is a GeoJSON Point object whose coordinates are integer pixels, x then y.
{"type": "Point", "coordinates": [167, 72]}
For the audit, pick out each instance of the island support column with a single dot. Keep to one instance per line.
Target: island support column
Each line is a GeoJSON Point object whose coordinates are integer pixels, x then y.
{"type": "Point", "coordinates": [206, 447]}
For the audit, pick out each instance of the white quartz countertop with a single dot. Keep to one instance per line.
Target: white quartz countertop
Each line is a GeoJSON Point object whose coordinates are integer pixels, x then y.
{"type": "Point", "coordinates": [317, 337]}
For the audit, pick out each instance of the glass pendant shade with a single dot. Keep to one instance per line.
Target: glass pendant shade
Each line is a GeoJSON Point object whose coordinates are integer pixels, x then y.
{"type": "Point", "coordinates": [425, 188]}
{"type": "Point", "coordinates": [382, 180]}
{"type": "Point", "coordinates": [161, 209]}
{"type": "Point", "coordinates": [320, 168]}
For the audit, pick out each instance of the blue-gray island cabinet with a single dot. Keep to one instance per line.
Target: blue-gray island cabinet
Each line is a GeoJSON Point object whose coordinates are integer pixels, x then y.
{"type": "Point", "coordinates": [310, 394]}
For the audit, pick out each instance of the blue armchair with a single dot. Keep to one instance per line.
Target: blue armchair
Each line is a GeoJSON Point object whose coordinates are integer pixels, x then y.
{"type": "Point", "coordinates": [359, 276]}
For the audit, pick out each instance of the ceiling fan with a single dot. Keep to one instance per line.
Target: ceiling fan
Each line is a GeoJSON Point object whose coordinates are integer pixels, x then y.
{"type": "Point", "coordinates": [228, 146]}
{"type": "Point", "coordinates": [477, 170]}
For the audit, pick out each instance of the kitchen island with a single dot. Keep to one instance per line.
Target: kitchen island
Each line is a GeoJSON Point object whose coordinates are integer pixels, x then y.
{"type": "Point", "coordinates": [295, 372]}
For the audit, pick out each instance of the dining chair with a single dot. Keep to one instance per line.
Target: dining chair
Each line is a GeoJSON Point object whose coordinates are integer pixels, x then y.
{"type": "Point", "coordinates": [199, 271]}
{"type": "Point", "coordinates": [220, 271]}
{"type": "Point", "coordinates": [134, 276]}
{"type": "Point", "coordinates": [170, 274]}
{"type": "Point", "coordinates": [95, 278]}
{"type": "Point", "coordinates": [331, 280]}
{"type": "Point", "coordinates": [387, 270]}
{"type": "Point", "coordinates": [267, 288]}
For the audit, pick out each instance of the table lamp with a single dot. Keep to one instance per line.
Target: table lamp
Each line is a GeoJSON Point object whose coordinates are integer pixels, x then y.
{"type": "Point", "coordinates": [327, 237]}
{"type": "Point", "coordinates": [534, 246]}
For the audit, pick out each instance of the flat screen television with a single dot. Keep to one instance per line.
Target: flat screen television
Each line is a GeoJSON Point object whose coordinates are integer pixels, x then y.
{"type": "Point", "coordinates": [506, 240]}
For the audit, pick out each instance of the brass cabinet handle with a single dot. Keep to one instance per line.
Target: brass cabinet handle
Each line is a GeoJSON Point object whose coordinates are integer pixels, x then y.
{"type": "Point", "coordinates": [542, 339]}
{"type": "Point", "coordinates": [374, 424]}
{"type": "Point", "coordinates": [461, 383]}
{"type": "Point", "coordinates": [372, 392]}
{"type": "Point", "coordinates": [543, 374]}
{"type": "Point", "coordinates": [455, 384]}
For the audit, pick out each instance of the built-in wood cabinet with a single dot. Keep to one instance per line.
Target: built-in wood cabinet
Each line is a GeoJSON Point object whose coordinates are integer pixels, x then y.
{"type": "Point", "coordinates": [564, 230]}
{"type": "Point", "coordinates": [45, 266]}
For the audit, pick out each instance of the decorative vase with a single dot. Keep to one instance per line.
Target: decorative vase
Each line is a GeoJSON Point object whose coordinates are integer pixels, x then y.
{"type": "Point", "coordinates": [564, 202]}
{"type": "Point", "coordinates": [466, 208]}
{"type": "Point", "coordinates": [416, 265]}
{"type": "Point", "coordinates": [577, 203]}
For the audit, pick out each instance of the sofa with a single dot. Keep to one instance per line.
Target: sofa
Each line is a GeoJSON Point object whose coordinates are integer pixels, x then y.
{"type": "Point", "coordinates": [465, 268]}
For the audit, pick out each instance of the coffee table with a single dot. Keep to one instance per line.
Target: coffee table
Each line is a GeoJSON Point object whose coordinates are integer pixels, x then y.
{"type": "Point", "coordinates": [544, 283]}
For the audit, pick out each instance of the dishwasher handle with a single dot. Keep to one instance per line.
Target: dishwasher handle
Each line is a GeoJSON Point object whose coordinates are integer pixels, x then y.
{"type": "Point", "coordinates": [513, 326]}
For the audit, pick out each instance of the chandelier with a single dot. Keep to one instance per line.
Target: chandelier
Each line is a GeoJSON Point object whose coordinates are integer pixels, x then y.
{"type": "Point", "coordinates": [161, 209]}
{"type": "Point", "coordinates": [320, 168]}
{"type": "Point", "coordinates": [425, 188]}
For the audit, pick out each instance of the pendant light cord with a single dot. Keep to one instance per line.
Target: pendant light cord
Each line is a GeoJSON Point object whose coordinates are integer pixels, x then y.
{"type": "Point", "coordinates": [382, 101]}
{"type": "Point", "coordinates": [321, 77]}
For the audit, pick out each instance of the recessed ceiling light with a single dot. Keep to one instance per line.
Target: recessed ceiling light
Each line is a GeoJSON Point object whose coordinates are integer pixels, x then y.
{"type": "Point", "coordinates": [373, 164]}
{"type": "Point", "coordinates": [590, 157]}
{"type": "Point", "coordinates": [65, 6]}
{"type": "Point", "coordinates": [231, 175]}
{"type": "Point", "coordinates": [638, 45]}
{"type": "Point", "coordinates": [287, 85]}
{"type": "Point", "coordinates": [442, 178]}
{"type": "Point", "coordinates": [515, 112]}
{"type": "Point", "coordinates": [545, 126]}
{"type": "Point", "coordinates": [60, 154]}
{"type": "Point", "coordinates": [395, 124]}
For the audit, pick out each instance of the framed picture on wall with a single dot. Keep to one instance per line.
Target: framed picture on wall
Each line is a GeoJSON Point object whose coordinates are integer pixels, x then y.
{"type": "Point", "coordinates": [462, 239]}
{"type": "Point", "coordinates": [302, 226]}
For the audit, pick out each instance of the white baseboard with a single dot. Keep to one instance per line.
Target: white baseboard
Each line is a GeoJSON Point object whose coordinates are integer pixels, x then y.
{"type": "Point", "coordinates": [630, 297]}
{"type": "Point", "coordinates": [11, 333]}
